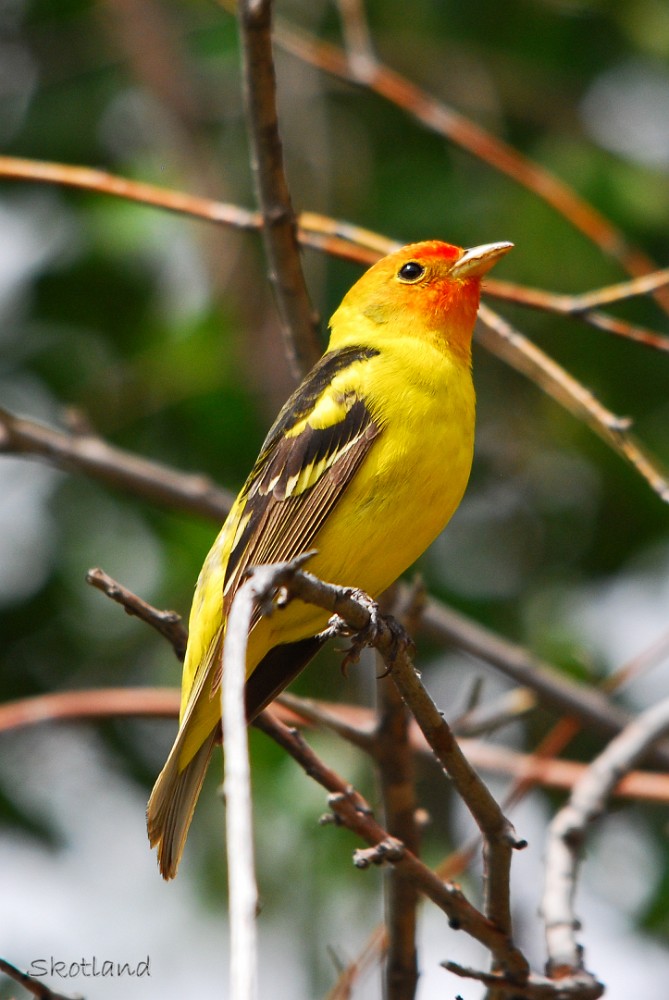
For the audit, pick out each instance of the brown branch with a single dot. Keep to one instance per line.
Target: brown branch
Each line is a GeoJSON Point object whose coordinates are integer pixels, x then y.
{"type": "Point", "coordinates": [445, 121]}
{"type": "Point", "coordinates": [578, 307]}
{"type": "Point", "coordinates": [566, 696]}
{"type": "Point", "coordinates": [163, 703]}
{"type": "Point", "coordinates": [395, 764]}
{"type": "Point", "coordinates": [503, 340]}
{"type": "Point", "coordinates": [167, 623]}
{"type": "Point", "coordinates": [98, 703]}
{"type": "Point", "coordinates": [353, 812]}
{"type": "Point", "coordinates": [355, 725]}
{"type": "Point", "coordinates": [332, 236]}
{"type": "Point", "coordinates": [394, 758]}
{"type": "Point", "coordinates": [32, 985]}
{"type": "Point", "coordinates": [355, 610]}
{"type": "Point", "coordinates": [298, 320]}
{"type": "Point", "coordinates": [580, 986]}
{"type": "Point", "coordinates": [567, 833]}
{"type": "Point", "coordinates": [110, 465]}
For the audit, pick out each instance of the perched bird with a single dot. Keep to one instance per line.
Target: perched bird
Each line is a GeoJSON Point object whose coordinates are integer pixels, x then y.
{"type": "Point", "coordinates": [366, 463]}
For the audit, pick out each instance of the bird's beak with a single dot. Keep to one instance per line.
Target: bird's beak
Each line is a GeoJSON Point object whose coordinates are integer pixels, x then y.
{"type": "Point", "coordinates": [478, 260]}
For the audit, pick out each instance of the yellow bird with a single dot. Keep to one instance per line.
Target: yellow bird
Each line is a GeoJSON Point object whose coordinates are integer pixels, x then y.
{"type": "Point", "coordinates": [366, 463]}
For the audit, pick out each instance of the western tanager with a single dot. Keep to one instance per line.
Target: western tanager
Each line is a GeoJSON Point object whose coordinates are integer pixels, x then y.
{"type": "Point", "coordinates": [366, 463]}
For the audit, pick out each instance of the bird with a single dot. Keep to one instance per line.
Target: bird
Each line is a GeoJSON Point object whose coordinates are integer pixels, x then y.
{"type": "Point", "coordinates": [365, 464]}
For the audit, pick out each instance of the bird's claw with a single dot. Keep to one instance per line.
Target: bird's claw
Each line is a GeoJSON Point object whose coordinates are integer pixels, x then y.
{"type": "Point", "coordinates": [367, 636]}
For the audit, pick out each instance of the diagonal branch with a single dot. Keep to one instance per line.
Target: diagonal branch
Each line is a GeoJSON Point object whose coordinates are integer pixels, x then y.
{"type": "Point", "coordinates": [117, 468]}
{"type": "Point", "coordinates": [298, 321]}
{"type": "Point", "coordinates": [32, 985]}
{"type": "Point", "coordinates": [567, 833]}
{"type": "Point", "coordinates": [499, 840]}
{"type": "Point", "coordinates": [352, 810]}
{"type": "Point", "coordinates": [567, 696]}
{"type": "Point", "coordinates": [445, 121]}
{"type": "Point", "coordinates": [503, 340]}
{"type": "Point", "coordinates": [167, 623]}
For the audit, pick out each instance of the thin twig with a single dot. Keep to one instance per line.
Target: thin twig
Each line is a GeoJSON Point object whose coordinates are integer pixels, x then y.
{"type": "Point", "coordinates": [96, 703]}
{"type": "Point", "coordinates": [40, 990]}
{"type": "Point", "coordinates": [167, 623]}
{"type": "Point", "coordinates": [566, 696]}
{"type": "Point", "coordinates": [499, 839]}
{"type": "Point", "coordinates": [320, 232]}
{"type": "Point", "coordinates": [445, 121]}
{"type": "Point", "coordinates": [503, 340]}
{"type": "Point", "coordinates": [352, 810]}
{"type": "Point", "coordinates": [163, 703]}
{"type": "Point", "coordinates": [580, 986]}
{"type": "Point", "coordinates": [298, 320]}
{"type": "Point", "coordinates": [567, 833]}
{"type": "Point", "coordinates": [577, 306]}
{"type": "Point", "coordinates": [243, 893]}
{"type": "Point", "coordinates": [117, 468]}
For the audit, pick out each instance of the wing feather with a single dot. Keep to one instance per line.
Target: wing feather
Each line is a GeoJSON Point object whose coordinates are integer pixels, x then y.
{"type": "Point", "coordinates": [303, 470]}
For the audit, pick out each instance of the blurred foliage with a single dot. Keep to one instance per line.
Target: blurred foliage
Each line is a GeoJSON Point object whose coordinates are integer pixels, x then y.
{"type": "Point", "coordinates": [161, 332]}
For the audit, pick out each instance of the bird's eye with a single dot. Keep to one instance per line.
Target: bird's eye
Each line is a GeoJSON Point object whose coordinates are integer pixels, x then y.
{"type": "Point", "coordinates": [411, 271]}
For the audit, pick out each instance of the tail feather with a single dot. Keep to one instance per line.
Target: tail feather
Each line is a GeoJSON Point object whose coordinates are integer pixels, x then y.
{"type": "Point", "coordinates": [172, 803]}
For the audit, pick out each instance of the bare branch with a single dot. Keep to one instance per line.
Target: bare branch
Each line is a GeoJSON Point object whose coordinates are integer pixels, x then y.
{"type": "Point", "coordinates": [97, 703]}
{"type": "Point", "coordinates": [580, 306]}
{"type": "Point", "coordinates": [509, 344]}
{"type": "Point", "coordinates": [243, 893]}
{"type": "Point", "coordinates": [352, 810]}
{"type": "Point", "coordinates": [581, 986]}
{"type": "Point", "coordinates": [298, 320]}
{"type": "Point", "coordinates": [163, 703]}
{"type": "Point", "coordinates": [167, 623]}
{"type": "Point", "coordinates": [117, 468]}
{"type": "Point", "coordinates": [361, 615]}
{"type": "Point", "coordinates": [445, 121]}
{"type": "Point", "coordinates": [567, 833]}
{"type": "Point", "coordinates": [395, 764]}
{"type": "Point", "coordinates": [40, 990]}
{"type": "Point", "coordinates": [320, 232]}
{"type": "Point", "coordinates": [566, 696]}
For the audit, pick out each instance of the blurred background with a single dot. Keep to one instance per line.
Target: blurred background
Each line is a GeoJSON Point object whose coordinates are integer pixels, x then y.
{"type": "Point", "coordinates": [159, 333]}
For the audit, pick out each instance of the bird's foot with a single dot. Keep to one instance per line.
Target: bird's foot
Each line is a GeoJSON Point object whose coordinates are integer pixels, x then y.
{"type": "Point", "coordinates": [369, 635]}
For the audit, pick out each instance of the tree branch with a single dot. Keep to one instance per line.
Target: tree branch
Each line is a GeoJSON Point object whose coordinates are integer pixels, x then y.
{"type": "Point", "coordinates": [449, 123]}
{"type": "Point", "coordinates": [352, 810]}
{"type": "Point", "coordinates": [40, 990]}
{"type": "Point", "coordinates": [110, 465]}
{"type": "Point", "coordinates": [499, 841]}
{"type": "Point", "coordinates": [567, 833]}
{"type": "Point", "coordinates": [566, 696]}
{"type": "Point", "coordinates": [242, 889]}
{"type": "Point", "coordinates": [167, 623]}
{"type": "Point", "coordinates": [298, 320]}
{"type": "Point", "coordinates": [511, 346]}
{"type": "Point", "coordinates": [395, 764]}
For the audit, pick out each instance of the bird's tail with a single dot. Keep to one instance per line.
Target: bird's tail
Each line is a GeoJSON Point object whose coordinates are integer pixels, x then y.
{"type": "Point", "coordinates": [170, 809]}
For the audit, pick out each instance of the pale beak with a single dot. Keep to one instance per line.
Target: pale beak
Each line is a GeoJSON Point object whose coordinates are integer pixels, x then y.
{"type": "Point", "coordinates": [478, 260]}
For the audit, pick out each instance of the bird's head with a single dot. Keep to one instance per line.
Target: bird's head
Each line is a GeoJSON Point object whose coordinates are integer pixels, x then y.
{"type": "Point", "coordinates": [428, 290]}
